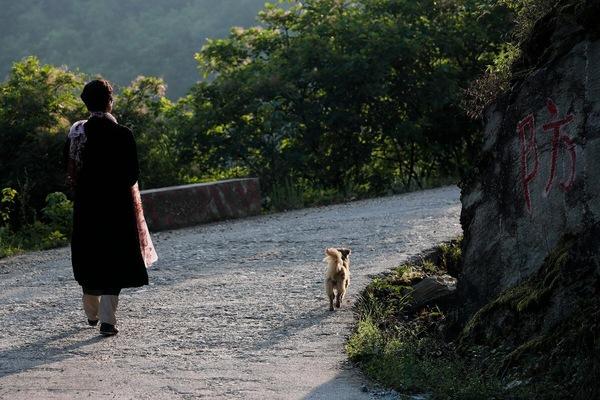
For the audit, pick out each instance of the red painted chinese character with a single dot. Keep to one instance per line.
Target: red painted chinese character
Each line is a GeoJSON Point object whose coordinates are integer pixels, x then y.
{"type": "Point", "coordinates": [526, 129]}
{"type": "Point", "coordinates": [558, 138]}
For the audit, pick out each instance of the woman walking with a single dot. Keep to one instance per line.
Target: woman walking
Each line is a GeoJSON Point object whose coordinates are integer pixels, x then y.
{"type": "Point", "coordinates": [110, 246]}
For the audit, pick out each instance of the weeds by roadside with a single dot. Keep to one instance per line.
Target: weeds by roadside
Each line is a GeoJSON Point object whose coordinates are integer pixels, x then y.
{"type": "Point", "coordinates": [536, 340]}
{"type": "Point", "coordinates": [406, 349]}
{"type": "Point", "coordinates": [290, 195]}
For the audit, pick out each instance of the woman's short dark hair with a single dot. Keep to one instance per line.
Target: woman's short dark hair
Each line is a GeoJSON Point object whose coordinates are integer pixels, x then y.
{"type": "Point", "coordinates": [97, 95]}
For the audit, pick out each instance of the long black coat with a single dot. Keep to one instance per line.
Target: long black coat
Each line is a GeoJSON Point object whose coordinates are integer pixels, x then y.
{"type": "Point", "coordinates": [105, 246]}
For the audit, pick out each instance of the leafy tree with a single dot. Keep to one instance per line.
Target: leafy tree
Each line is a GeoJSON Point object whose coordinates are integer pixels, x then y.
{"type": "Point", "coordinates": [143, 107]}
{"type": "Point", "coordinates": [37, 105]}
{"type": "Point", "coordinates": [360, 93]}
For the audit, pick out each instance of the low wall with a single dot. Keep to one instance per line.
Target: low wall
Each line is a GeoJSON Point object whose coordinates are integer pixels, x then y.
{"type": "Point", "coordinates": [180, 206]}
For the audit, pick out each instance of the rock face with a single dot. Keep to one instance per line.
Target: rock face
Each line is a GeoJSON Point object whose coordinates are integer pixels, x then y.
{"type": "Point", "coordinates": [431, 289]}
{"type": "Point", "coordinates": [539, 175]}
{"type": "Point", "coordinates": [544, 332]}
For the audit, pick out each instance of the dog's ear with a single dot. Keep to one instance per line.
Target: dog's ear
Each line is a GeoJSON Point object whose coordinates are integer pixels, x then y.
{"type": "Point", "coordinates": [345, 253]}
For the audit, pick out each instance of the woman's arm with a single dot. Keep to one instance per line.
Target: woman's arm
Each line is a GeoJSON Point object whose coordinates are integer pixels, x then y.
{"type": "Point", "coordinates": [69, 164]}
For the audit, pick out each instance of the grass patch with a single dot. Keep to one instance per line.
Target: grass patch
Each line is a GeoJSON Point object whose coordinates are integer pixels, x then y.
{"type": "Point", "coordinates": [536, 340]}
{"type": "Point", "coordinates": [450, 256]}
{"type": "Point", "coordinates": [411, 359]}
{"type": "Point", "coordinates": [406, 350]}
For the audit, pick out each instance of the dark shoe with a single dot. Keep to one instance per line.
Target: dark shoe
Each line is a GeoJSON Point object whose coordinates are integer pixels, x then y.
{"type": "Point", "coordinates": [108, 329]}
{"type": "Point", "coordinates": [92, 322]}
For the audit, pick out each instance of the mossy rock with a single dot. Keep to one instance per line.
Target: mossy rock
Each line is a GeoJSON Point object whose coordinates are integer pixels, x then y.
{"type": "Point", "coordinates": [545, 330]}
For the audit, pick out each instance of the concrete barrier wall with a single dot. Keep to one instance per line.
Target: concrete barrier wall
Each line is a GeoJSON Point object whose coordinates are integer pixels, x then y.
{"type": "Point", "coordinates": [180, 206]}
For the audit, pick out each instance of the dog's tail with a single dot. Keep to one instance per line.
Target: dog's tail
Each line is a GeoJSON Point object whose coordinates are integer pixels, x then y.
{"type": "Point", "coordinates": [334, 257]}
{"type": "Point", "coordinates": [333, 254]}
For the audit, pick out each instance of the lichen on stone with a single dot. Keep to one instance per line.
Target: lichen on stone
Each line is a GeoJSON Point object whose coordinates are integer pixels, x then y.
{"type": "Point", "coordinates": [545, 330]}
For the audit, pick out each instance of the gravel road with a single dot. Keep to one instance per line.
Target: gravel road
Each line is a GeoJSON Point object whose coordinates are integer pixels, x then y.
{"type": "Point", "coordinates": [235, 310]}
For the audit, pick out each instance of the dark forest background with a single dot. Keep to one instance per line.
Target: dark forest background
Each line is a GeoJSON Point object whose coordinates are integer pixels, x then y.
{"type": "Point", "coordinates": [324, 100]}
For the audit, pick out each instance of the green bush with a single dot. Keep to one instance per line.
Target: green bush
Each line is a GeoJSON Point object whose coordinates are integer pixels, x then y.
{"type": "Point", "coordinates": [451, 256]}
{"type": "Point", "coordinates": [7, 205]}
{"type": "Point", "coordinates": [54, 239]}
{"type": "Point", "coordinates": [37, 105]}
{"type": "Point", "coordinates": [7, 247]}
{"type": "Point", "coordinates": [54, 231]}
{"type": "Point", "coordinates": [284, 196]}
{"type": "Point", "coordinates": [59, 213]}
{"type": "Point", "coordinates": [366, 341]}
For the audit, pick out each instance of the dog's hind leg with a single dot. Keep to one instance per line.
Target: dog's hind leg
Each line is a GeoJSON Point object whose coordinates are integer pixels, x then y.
{"type": "Point", "coordinates": [341, 291]}
{"type": "Point", "coordinates": [329, 290]}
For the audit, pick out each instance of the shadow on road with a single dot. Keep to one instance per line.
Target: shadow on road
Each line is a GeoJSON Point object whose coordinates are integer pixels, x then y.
{"type": "Point", "coordinates": [346, 385]}
{"type": "Point", "coordinates": [42, 352]}
{"type": "Point", "coordinates": [288, 329]}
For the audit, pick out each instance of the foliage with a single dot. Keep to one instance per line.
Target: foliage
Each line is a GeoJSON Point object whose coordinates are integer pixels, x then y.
{"type": "Point", "coordinates": [496, 80]}
{"type": "Point", "coordinates": [143, 107]}
{"type": "Point", "coordinates": [37, 105]}
{"type": "Point", "coordinates": [285, 196]}
{"type": "Point", "coordinates": [417, 365]}
{"type": "Point", "coordinates": [527, 13]}
{"type": "Point", "coordinates": [53, 231]}
{"type": "Point", "coordinates": [366, 342]}
{"type": "Point", "coordinates": [7, 247]}
{"type": "Point", "coordinates": [332, 99]}
{"type": "Point", "coordinates": [54, 239]}
{"type": "Point", "coordinates": [338, 93]}
{"type": "Point", "coordinates": [450, 257]}
{"type": "Point", "coordinates": [59, 213]}
{"type": "Point", "coordinates": [7, 203]}
{"type": "Point", "coordinates": [536, 340]}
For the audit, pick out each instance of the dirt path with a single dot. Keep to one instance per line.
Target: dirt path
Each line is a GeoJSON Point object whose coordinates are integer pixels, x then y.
{"type": "Point", "coordinates": [235, 309]}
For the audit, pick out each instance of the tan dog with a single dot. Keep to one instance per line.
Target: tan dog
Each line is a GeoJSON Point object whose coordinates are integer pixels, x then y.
{"type": "Point", "coordinates": [337, 277]}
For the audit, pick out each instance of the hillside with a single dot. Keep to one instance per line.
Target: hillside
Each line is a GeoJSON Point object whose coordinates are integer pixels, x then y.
{"type": "Point", "coordinates": [120, 39]}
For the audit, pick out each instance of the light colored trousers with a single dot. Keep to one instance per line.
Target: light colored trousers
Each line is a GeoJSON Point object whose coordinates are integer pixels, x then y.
{"type": "Point", "coordinates": [101, 308]}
